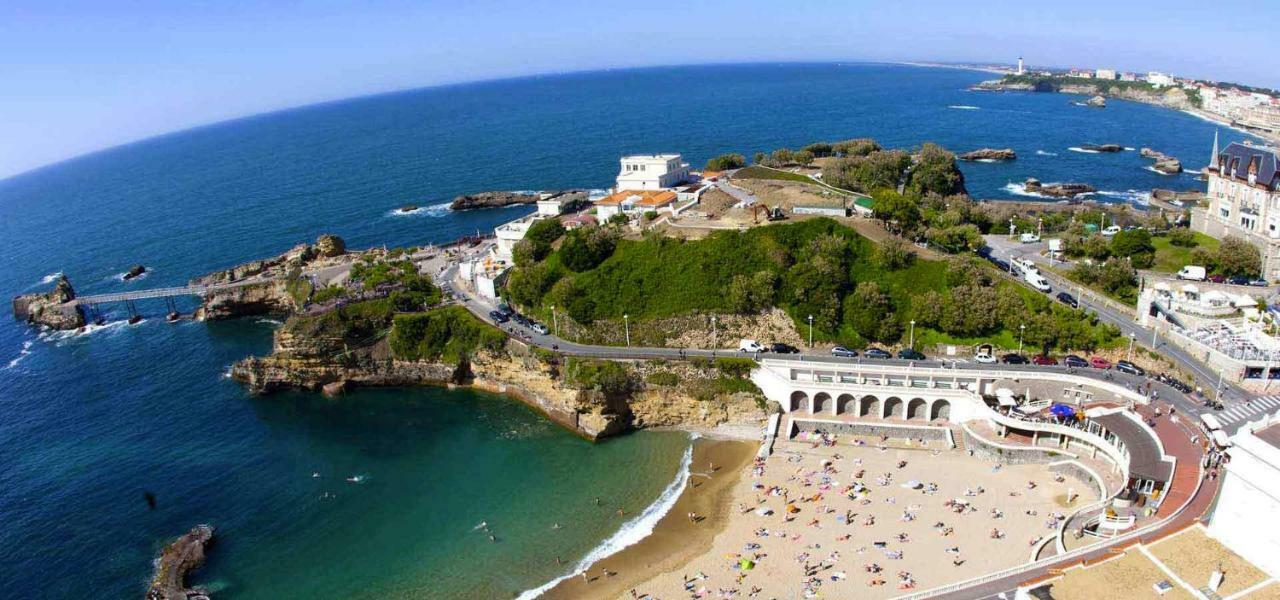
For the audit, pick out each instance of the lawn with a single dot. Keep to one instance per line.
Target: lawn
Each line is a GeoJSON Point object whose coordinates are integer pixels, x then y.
{"type": "Point", "coordinates": [758, 172]}
{"type": "Point", "coordinates": [1170, 258]}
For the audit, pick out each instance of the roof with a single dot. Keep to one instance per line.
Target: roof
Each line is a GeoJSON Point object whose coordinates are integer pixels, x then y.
{"type": "Point", "coordinates": [640, 197]}
{"type": "Point", "coordinates": [1236, 160]}
{"type": "Point", "coordinates": [1269, 434]}
{"type": "Point", "coordinates": [1145, 458]}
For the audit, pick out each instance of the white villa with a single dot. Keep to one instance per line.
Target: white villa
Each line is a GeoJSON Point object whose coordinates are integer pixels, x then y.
{"type": "Point", "coordinates": [1244, 200]}
{"type": "Point", "coordinates": [651, 172]}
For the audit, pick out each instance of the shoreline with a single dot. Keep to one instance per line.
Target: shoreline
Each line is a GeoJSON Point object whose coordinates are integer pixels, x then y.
{"type": "Point", "coordinates": [675, 540]}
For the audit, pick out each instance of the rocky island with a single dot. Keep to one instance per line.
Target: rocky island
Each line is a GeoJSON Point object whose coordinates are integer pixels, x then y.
{"type": "Point", "coordinates": [1057, 190]}
{"type": "Point", "coordinates": [1169, 97]}
{"type": "Point", "coordinates": [52, 309]}
{"type": "Point", "coordinates": [500, 199]}
{"type": "Point", "coordinates": [989, 155]}
{"type": "Point", "coordinates": [1102, 148]}
{"type": "Point", "coordinates": [1163, 163]}
{"type": "Point", "coordinates": [178, 559]}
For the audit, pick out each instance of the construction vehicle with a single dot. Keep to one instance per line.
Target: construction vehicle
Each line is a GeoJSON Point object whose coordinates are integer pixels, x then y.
{"type": "Point", "coordinates": [770, 214]}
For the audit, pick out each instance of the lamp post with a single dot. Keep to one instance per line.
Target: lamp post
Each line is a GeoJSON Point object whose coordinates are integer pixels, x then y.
{"type": "Point", "coordinates": [713, 332]}
{"type": "Point", "coordinates": [1011, 227]}
{"type": "Point", "coordinates": [1133, 337]}
{"type": "Point", "coordinates": [810, 331]}
{"type": "Point", "coordinates": [1022, 330]}
{"type": "Point", "coordinates": [555, 323]}
{"type": "Point", "coordinates": [626, 324]}
{"type": "Point", "coordinates": [912, 343]}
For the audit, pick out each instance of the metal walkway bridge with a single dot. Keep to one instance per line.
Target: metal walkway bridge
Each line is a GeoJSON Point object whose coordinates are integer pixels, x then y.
{"type": "Point", "coordinates": [168, 292]}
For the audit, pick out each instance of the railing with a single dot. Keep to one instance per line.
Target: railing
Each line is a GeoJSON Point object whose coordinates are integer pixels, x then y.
{"type": "Point", "coordinates": [190, 290]}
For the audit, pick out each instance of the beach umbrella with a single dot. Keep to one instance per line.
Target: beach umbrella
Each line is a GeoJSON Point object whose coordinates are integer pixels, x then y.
{"type": "Point", "coordinates": [746, 564]}
{"type": "Point", "coordinates": [1062, 411]}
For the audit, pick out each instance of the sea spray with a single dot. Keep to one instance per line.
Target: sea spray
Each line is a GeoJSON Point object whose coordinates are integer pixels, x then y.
{"type": "Point", "coordinates": [963, 107]}
{"type": "Point", "coordinates": [1083, 150]}
{"type": "Point", "coordinates": [435, 210]}
{"type": "Point", "coordinates": [26, 351]}
{"type": "Point", "coordinates": [631, 532]}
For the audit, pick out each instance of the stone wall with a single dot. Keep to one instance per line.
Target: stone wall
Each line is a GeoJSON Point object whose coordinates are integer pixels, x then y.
{"type": "Point", "coordinates": [874, 429]}
{"type": "Point", "coordinates": [985, 449]}
{"type": "Point", "coordinates": [1073, 470]}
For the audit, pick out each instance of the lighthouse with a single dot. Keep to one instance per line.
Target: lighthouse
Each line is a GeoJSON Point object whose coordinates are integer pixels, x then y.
{"type": "Point", "coordinates": [1021, 70]}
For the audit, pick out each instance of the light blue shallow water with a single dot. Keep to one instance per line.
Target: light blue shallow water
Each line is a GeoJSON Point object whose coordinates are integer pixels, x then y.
{"type": "Point", "coordinates": [88, 423]}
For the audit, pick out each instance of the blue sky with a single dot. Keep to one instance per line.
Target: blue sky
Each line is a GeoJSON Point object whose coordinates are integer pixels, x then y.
{"type": "Point", "coordinates": [84, 75]}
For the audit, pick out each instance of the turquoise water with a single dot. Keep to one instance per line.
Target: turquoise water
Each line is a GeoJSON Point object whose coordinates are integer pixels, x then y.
{"type": "Point", "coordinates": [88, 423]}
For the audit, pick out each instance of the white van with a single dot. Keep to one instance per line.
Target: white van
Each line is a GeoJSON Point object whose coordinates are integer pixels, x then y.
{"type": "Point", "coordinates": [1029, 238]}
{"type": "Point", "coordinates": [751, 346]}
{"type": "Point", "coordinates": [1112, 230]}
{"type": "Point", "coordinates": [1037, 281]}
{"type": "Point", "coordinates": [1024, 265]}
{"type": "Point", "coordinates": [1192, 272]}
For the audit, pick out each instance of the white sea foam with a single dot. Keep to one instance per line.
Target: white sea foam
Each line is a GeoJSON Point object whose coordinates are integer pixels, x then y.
{"type": "Point", "coordinates": [50, 278]}
{"type": "Point", "coordinates": [963, 107]}
{"type": "Point", "coordinates": [1129, 148]}
{"type": "Point", "coordinates": [266, 321]}
{"type": "Point", "coordinates": [631, 532]}
{"type": "Point", "coordinates": [1083, 150]}
{"type": "Point", "coordinates": [1043, 153]}
{"type": "Point", "coordinates": [58, 337]}
{"type": "Point", "coordinates": [26, 351]}
{"type": "Point", "coordinates": [1020, 189]}
{"type": "Point", "coordinates": [1157, 171]}
{"type": "Point", "coordinates": [985, 160]}
{"type": "Point", "coordinates": [596, 194]}
{"type": "Point", "coordinates": [1137, 197]}
{"type": "Point", "coordinates": [434, 210]}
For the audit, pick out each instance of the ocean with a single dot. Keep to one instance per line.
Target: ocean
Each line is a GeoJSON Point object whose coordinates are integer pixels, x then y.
{"type": "Point", "coordinates": [92, 421]}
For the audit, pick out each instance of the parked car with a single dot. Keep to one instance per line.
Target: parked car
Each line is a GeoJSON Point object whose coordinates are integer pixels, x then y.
{"type": "Point", "coordinates": [782, 348]}
{"type": "Point", "coordinates": [1125, 366]}
{"type": "Point", "coordinates": [746, 345]}
{"type": "Point", "coordinates": [876, 353]}
{"type": "Point", "coordinates": [843, 352]}
{"type": "Point", "coordinates": [521, 319]}
{"type": "Point", "coordinates": [1068, 299]}
{"type": "Point", "coordinates": [539, 328]}
{"type": "Point", "coordinates": [1218, 278]}
{"type": "Point", "coordinates": [1098, 362]}
{"type": "Point", "coordinates": [986, 355]}
{"type": "Point", "coordinates": [910, 354]}
{"type": "Point", "coordinates": [1259, 282]}
{"type": "Point", "coordinates": [1029, 238]}
{"type": "Point", "coordinates": [1002, 265]}
{"type": "Point", "coordinates": [1072, 360]}
{"type": "Point", "coordinates": [1044, 360]}
{"type": "Point", "coordinates": [498, 316]}
{"type": "Point", "coordinates": [1238, 280]}
{"type": "Point", "coordinates": [1013, 359]}
{"type": "Point", "coordinates": [1112, 230]}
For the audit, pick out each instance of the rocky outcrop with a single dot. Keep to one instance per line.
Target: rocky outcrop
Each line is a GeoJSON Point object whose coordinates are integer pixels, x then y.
{"type": "Point", "coordinates": [134, 272]}
{"type": "Point", "coordinates": [52, 309]}
{"type": "Point", "coordinates": [1163, 163]}
{"type": "Point", "coordinates": [1169, 97]}
{"type": "Point", "coordinates": [1057, 190]}
{"type": "Point", "coordinates": [492, 200]}
{"type": "Point", "coordinates": [179, 558]}
{"type": "Point", "coordinates": [989, 154]}
{"type": "Point", "coordinates": [1104, 148]}
{"type": "Point", "coordinates": [268, 297]}
{"type": "Point", "coordinates": [262, 287]}
{"type": "Point", "coordinates": [1096, 102]}
{"type": "Point", "coordinates": [329, 246]}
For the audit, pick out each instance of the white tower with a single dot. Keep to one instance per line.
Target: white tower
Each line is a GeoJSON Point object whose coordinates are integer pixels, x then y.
{"type": "Point", "coordinates": [1021, 70]}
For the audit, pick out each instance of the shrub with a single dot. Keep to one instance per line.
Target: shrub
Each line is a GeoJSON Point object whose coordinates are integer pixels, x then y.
{"type": "Point", "coordinates": [663, 379]}
{"type": "Point", "coordinates": [609, 377]}
{"type": "Point", "coordinates": [725, 162]}
{"type": "Point", "coordinates": [447, 334]}
{"type": "Point", "coordinates": [735, 367]}
{"type": "Point", "coordinates": [1182, 237]}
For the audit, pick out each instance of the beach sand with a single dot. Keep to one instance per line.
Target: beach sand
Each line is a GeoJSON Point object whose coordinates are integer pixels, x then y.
{"type": "Point", "coordinates": [816, 537]}
{"type": "Point", "coordinates": [675, 539]}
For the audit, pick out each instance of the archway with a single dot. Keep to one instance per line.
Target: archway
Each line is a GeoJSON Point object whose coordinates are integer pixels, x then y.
{"type": "Point", "coordinates": [893, 408]}
{"type": "Point", "coordinates": [846, 404]}
{"type": "Point", "coordinates": [869, 406]}
{"type": "Point", "coordinates": [918, 409]}
{"type": "Point", "coordinates": [821, 402]}
{"type": "Point", "coordinates": [940, 411]}
{"type": "Point", "coordinates": [799, 402]}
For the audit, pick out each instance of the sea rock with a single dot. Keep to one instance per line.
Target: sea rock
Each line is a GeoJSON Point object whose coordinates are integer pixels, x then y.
{"type": "Point", "coordinates": [1164, 163]}
{"type": "Point", "coordinates": [334, 389]}
{"type": "Point", "coordinates": [1103, 147]}
{"type": "Point", "coordinates": [1096, 102]}
{"type": "Point", "coordinates": [408, 208]}
{"type": "Point", "coordinates": [134, 271]}
{"type": "Point", "coordinates": [329, 245]}
{"type": "Point", "coordinates": [178, 559]}
{"type": "Point", "coordinates": [51, 309]}
{"type": "Point", "coordinates": [1057, 190]}
{"type": "Point", "coordinates": [492, 200]}
{"type": "Point", "coordinates": [989, 154]}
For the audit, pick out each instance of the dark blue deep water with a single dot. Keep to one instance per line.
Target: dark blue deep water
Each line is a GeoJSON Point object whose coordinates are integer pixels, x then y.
{"type": "Point", "coordinates": [87, 423]}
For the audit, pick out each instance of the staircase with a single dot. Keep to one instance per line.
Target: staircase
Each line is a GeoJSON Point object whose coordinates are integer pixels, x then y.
{"type": "Point", "coordinates": [957, 435]}
{"type": "Point", "coordinates": [1210, 594]}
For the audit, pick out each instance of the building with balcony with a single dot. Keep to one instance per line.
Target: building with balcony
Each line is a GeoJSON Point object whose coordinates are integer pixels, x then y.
{"type": "Point", "coordinates": [651, 172]}
{"type": "Point", "coordinates": [1244, 200]}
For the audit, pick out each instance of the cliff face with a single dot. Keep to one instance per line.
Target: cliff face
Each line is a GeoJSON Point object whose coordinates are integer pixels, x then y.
{"type": "Point", "coordinates": [270, 293]}
{"type": "Point", "coordinates": [51, 309]}
{"type": "Point", "coordinates": [268, 297]}
{"type": "Point", "coordinates": [176, 560]}
{"type": "Point", "coordinates": [1172, 97]}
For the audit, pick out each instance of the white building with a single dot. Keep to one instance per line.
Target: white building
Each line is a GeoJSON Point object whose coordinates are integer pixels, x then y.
{"type": "Point", "coordinates": [1021, 69]}
{"type": "Point", "coordinates": [1243, 518]}
{"type": "Point", "coordinates": [631, 202]}
{"type": "Point", "coordinates": [1159, 79]}
{"type": "Point", "coordinates": [510, 234]}
{"type": "Point", "coordinates": [651, 172]}
{"type": "Point", "coordinates": [1128, 77]}
{"type": "Point", "coordinates": [1108, 74]}
{"type": "Point", "coordinates": [1244, 200]}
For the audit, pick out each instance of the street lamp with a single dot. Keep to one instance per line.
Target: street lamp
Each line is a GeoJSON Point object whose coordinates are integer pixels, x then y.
{"type": "Point", "coordinates": [1022, 330]}
{"type": "Point", "coordinates": [1011, 227]}
{"type": "Point", "coordinates": [912, 343]}
{"type": "Point", "coordinates": [626, 324]}
{"type": "Point", "coordinates": [1133, 337]}
{"type": "Point", "coordinates": [713, 332]}
{"type": "Point", "coordinates": [810, 331]}
{"type": "Point", "coordinates": [555, 324]}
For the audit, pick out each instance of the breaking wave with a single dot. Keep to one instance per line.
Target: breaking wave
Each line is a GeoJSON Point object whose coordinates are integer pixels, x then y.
{"type": "Point", "coordinates": [434, 210]}
{"type": "Point", "coordinates": [1136, 197]}
{"type": "Point", "coordinates": [1043, 153]}
{"type": "Point", "coordinates": [26, 351]}
{"type": "Point", "coordinates": [963, 107]}
{"type": "Point", "coordinates": [1083, 150]}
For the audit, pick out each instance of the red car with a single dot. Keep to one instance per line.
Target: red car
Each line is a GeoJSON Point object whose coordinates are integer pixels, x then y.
{"type": "Point", "coordinates": [1098, 362]}
{"type": "Point", "coordinates": [1043, 360]}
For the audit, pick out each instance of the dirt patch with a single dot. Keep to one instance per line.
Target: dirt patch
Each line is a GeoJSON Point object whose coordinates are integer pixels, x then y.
{"type": "Point", "coordinates": [789, 194]}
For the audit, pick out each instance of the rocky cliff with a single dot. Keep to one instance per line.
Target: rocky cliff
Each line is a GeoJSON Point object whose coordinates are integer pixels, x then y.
{"type": "Point", "coordinates": [491, 200]}
{"type": "Point", "coordinates": [51, 309]}
{"type": "Point", "coordinates": [176, 560]}
{"type": "Point", "coordinates": [1170, 97]}
{"type": "Point", "coordinates": [265, 286]}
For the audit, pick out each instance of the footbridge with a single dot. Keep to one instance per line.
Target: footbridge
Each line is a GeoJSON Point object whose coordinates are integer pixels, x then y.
{"type": "Point", "coordinates": [167, 292]}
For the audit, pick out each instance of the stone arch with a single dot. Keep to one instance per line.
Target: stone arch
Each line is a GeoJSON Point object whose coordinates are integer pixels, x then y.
{"type": "Point", "coordinates": [893, 408]}
{"type": "Point", "coordinates": [821, 402]}
{"type": "Point", "coordinates": [846, 404]}
{"type": "Point", "coordinates": [940, 411]}
{"type": "Point", "coordinates": [799, 401]}
{"type": "Point", "coordinates": [869, 406]}
{"type": "Point", "coordinates": [917, 408]}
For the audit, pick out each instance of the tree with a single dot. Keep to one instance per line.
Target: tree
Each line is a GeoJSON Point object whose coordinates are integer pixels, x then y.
{"type": "Point", "coordinates": [1136, 245]}
{"type": "Point", "coordinates": [1237, 257]}
{"type": "Point", "coordinates": [1204, 257]}
{"type": "Point", "coordinates": [958, 238]}
{"type": "Point", "coordinates": [971, 310]}
{"type": "Point", "coordinates": [868, 311]}
{"type": "Point", "coordinates": [781, 157]}
{"type": "Point", "coordinates": [760, 158]}
{"type": "Point", "coordinates": [725, 162]}
{"type": "Point", "coordinates": [586, 247]}
{"type": "Point", "coordinates": [749, 294]}
{"type": "Point", "coordinates": [879, 169]}
{"type": "Point", "coordinates": [803, 157]}
{"type": "Point", "coordinates": [855, 147]}
{"type": "Point", "coordinates": [894, 254]}
{"type": "Point", "coordinates": [897, 212]}
{"type": "Point", "coordinates": [818, 149]}
{"type": "Point", "coordinates": [935, 172]}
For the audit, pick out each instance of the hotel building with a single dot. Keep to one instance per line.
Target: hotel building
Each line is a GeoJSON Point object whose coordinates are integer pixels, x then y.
{"type": "Point", "coordinates": [1244, 200]}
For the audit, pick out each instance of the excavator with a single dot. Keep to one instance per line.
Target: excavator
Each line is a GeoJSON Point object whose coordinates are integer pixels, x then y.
{"type": "Point", "coordinates": [770, 214]}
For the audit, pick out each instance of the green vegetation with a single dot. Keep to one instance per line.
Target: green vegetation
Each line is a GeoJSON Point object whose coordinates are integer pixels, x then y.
{"type": "Point", "coordinates": [1174, 250]}
{"type": "Point", "coordinates": [299, 289]}
{"type": "Point", "coordinates": [725, 162]}
{"type": "Point", "coordinates": [447, 334]}
{"type": "Point", "coordinates": [1236, 257]}
{"type": "Point", "coordinates": [663, 378]}
{"type": "Point", "coordinates": [352, 326]}
{"type": "Point", "coordinates": [1115, 277]}
{"type": "Point", "coordinates": [536, 244]}
{"type": "Point", "coordinates": [327, 293]}
{"type": "Point", "coordinates": [758, 172]}
{"type": "Point", "coordinates": [1054, 83]}
{"type": "Point", "coordinates": [605, 376]}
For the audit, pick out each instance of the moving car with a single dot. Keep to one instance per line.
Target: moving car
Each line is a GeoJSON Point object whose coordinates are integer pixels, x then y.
{"type": "Point", "coordinates": [1192, 273]}
{"type": "Point", "coordinates": [1068, 299]}
{"type": "Point", "coordinates": [1037, 281]}
{"type": "Point", "coordinates": [539, 328]}
{"type": "Point", "coordinates": [746, 345]}
{"type": "Point", "coordinates": [1098, 362]}
{"type": "Point", "coordinates": [1072, 360]}
{"type": "Point", "coordinates": [1125, 366]}
{"type": "Point", "coordinates": [910, 354]}
{"type": "Point", "coordinates": [876, 353]}
{"type": "Point", "coordinates": [1044, 360]}
{"type": "Point", "coordinates": [843, 352]}
{"type": "Point", "coordinates": [1013, 359]}
{"type": "Point", "coordinates": [1002, 265]}
{"type": "Point", "coordinates": [498, 316]}
{"type": "Point", "coordinates": [781, 348]}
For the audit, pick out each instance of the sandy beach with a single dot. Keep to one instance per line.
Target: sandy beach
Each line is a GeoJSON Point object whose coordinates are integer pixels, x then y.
{"type": "Point", "coordinates": [676, 540]}
{"type": "Point", "coordinates": [848, 520]}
